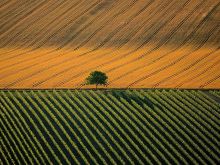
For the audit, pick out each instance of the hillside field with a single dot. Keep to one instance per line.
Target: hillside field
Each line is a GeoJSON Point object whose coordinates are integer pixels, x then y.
{"type": "Point", "coordinates": [109, 127]}
{"type": "Point", "coordinates": [138, 43]}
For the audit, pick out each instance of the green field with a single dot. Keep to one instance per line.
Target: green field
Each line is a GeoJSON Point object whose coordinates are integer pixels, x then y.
{"type": "Point", "coordinates": [109, 127]}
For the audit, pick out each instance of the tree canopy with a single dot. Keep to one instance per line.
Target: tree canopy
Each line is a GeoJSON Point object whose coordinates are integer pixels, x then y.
{"type": "Point", "coordinates": [97, 78]}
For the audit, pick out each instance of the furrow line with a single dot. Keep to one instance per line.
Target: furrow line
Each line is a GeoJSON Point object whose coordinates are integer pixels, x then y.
{"type": "Point", "coordinates": [63, 26]}
{"type": "Point", "coordinates": [197, 75]}
{"type": "Point", "coordinates": [28, 13]}
{"type": "Point", "coordinates": [35, 20]}
{"type": "Point", "coordinates": [186, 68]}
{"type": "Point", "coordinates": [45, 30]}
{"type": "Point", "coordinates": [169, 65]}
{"type": "Point", "coordinates": [15, 15]}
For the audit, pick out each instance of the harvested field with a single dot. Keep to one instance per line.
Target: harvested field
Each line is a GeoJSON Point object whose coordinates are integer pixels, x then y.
{"type": "Point", "coordinates": [138, 43]}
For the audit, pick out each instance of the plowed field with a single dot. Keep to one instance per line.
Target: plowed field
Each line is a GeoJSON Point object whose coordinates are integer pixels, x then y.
{"type": "Point", "coordinates": [138, 43]}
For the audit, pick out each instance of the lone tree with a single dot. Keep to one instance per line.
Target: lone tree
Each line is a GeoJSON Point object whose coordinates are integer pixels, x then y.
{"type": "Point", "coordinates": [97, 78]}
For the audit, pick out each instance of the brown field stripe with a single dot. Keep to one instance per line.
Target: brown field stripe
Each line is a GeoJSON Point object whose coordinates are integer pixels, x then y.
{"type": "Point", "coordinates": [199, 74]}
{"type": "Point", "coordinates": [16, 63]}
{"type": "Point", "coordinates": [203, 21]}
{"type": "Point", "coordinates": [90, 69]}
{"type": "Point", "coordinates": [31, 7]}
{"type": "Point", "coordinates": [16, 10]}
{"type": "Point", "coordinates": [170, 35]}
{"type": "Point", "coordinates": [100, 15]}
{"type": "Point", "coordinates": [5, 75]}
{"type": "Point", "coordinates": [124, 10]}
{"type": "Point", "coordinates": [110, 36]}
{"type": "Point", "coordinates": [166, 41]}
{"type": "Point", "coordinates": [52, 66]}
{"type": "Point", "coordinates": [185, 69]}
{"type": "Point", "coordinates": [88, 52]}
{"type": "Point", "coordinates": [173, 32]}
{"type": "Point", "coordinates": [118, 58]}
{"type": "Point", "coordinates": [19, 62]}
{"type": "Point", "coordinates": [210, 81]}
{"type": "Point", "coordinates": [13, 27]}
{"type": "Point", "coordinates": [96, 31]}
{"type": "Point", "coordinates": [184, 42]}
{"type": "Point", "coordinates": [11, 8]}
{"type": "Point", "coordinates": [129, 72]}
{"type": "Point", "coordinates": [132, 51]}
{"type": "Point", "coordinates": [93, 21]}
{"type": "Point", "coordinates": [29, 51]}
{"type": "Point", "coordinates": [201, 65]}
{"type": "Point", "coordinates": [56, 22]}
{"type": "Point", "coordinates": [193, 64]}
{"type": "Point", "coordinates": [19, 33]}
{"type": "Point", "coordinates": [148, 40]}
{"type": "Point", "coordinates": [132, 34]}
{"type": "Point", "coordinates": [9, 51]}
{"type": "Point", "coordinates": [27, 14]}
{"type": "Point", "coordinates": [5, 4]}
{"type": "Point", "coordinates": [97, 48]}
{"type": "Point", "coordinates": [39, 45]}
{"type": "Point", "coordinates": [140, 67]}
{"type": "Point", "coordinates": [93, 51]}
{"type": "Point", "coordinates": [207, 77]}
{"type": "Point", "coordinates": [42, 10]}
{"type": "Point", "coordinates": [46, 31]}
{"type": "Point", "coordinates": [42, 31]}
{"type": "Point", "coordinates": [171, 64]}
{"type": "Point", "coordinates": [157, 31]}
{"type": "Point", "coordinates": [60, 72]}
{"type": "Point", "coordinates": [2, 3]}
{"type": "Point", "coordinates": [17, 55]}
{"type": "Point", "coordinates": [97, 18]}
{"type": "Point", "coordinates": [14, 49]}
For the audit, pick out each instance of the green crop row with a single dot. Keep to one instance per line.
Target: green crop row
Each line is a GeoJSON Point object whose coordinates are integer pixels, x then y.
{"type": "Point", "coordinates": [82, 102]}
{"type": "Point", "coordinates": [174, 113]}
{"type": "Point", "coordinates": [112, 112]}
{"type": "Point", "coordinates": [109, 127]}
{"type": "Point", "coordinates": [192, 123]}
{"type": "Point", "coordinates": [21, 132]}
{"type": "Point", "coordinates": [193, 109]}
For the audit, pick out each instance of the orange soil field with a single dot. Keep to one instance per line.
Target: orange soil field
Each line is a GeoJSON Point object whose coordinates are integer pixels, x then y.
{"type": "Point", "coordinates": [138, 43]}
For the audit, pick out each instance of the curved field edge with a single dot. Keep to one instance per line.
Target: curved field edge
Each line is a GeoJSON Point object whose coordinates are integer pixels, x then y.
{"type": "Point", "coordinates": [147, 126]}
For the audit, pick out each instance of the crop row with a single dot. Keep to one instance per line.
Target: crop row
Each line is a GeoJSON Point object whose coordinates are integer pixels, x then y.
{"type": "Point", "coordinates": [115, 127]}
